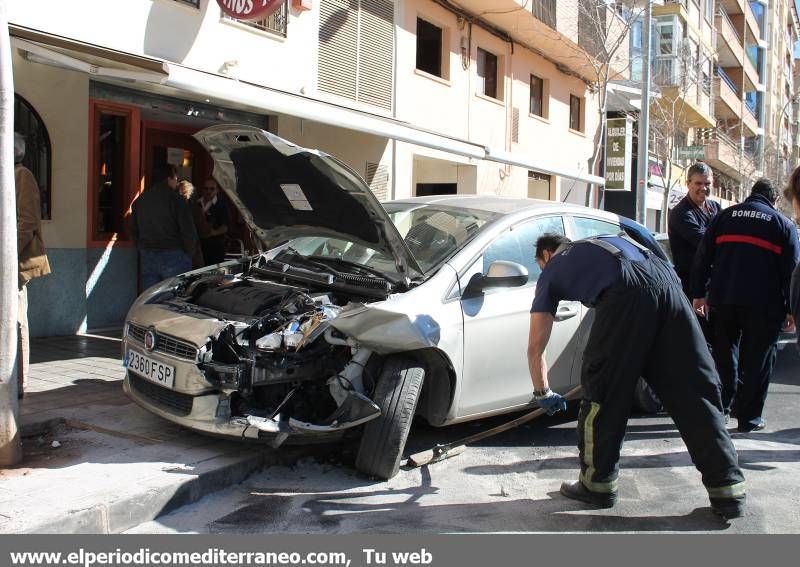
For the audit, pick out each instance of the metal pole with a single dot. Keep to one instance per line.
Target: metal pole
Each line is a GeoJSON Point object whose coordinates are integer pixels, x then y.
{"type": "Point", "coordinates": [642, 159]}
{"type": "Point", "coordinates": [10, 448]}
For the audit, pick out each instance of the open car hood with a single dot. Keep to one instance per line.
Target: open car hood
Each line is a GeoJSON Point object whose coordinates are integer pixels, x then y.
{"type": "Point", "coordinates": [284, 191]}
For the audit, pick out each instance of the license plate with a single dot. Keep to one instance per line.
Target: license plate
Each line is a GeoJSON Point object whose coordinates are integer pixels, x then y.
{"type": "Point", "coordinates": [151, 369]}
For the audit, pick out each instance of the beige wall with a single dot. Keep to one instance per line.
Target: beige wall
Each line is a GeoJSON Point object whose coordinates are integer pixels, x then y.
{"type": "Point", "coordinates": [183, 34]}
{"type": "Point", "coordinates": [353, 148]}
{"type": "Point", "coordinates": [66, 118]}
{"type": "Point", "coordinates": [452, 106]}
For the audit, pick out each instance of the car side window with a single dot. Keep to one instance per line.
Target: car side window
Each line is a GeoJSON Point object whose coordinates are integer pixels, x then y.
{"type": "Point", "coordinates": [519, 244]}
{"type": "Point", "coordinates": [586, 227]}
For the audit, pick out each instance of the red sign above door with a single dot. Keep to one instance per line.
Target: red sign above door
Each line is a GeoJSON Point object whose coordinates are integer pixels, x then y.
{"type": "Point", "coordinates": [249, 9]}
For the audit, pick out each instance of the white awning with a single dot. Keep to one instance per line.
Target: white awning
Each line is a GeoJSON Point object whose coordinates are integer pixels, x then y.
{"type": "Point", "coordinates": [83, 57]}
{"type": "Point", "coordinates": [224, 88]}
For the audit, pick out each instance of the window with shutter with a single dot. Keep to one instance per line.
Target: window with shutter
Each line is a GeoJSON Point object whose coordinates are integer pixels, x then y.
{"type": "Point", "coordinates": [356, 50]}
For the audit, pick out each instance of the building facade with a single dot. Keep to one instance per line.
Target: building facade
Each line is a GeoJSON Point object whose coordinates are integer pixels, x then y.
{"type": "Point", "coordinates": [780, 96]}
{"type": "Point", "coordinates": [418, 96]}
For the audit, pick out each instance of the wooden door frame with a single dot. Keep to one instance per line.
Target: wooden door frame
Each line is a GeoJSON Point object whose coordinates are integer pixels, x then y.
{"type": "Point", "coordinates": [132, 165]}
{"type": "Point", "coordinates": [149, 126]}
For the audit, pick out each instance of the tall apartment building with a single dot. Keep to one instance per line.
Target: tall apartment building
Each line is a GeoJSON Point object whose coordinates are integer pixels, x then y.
{"type": "Point", "coordinates": [732, 146]}
{"type": "Point", "coordinates": [779, 98]}
{"type": "Point", "coordinates": [418, 96]}
{"type": "Point", "coordinates": [723, 72]}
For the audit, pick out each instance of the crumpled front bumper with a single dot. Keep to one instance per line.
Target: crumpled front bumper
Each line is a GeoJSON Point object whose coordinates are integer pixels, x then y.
{"type": "Point", "coordinates": [209, 414]}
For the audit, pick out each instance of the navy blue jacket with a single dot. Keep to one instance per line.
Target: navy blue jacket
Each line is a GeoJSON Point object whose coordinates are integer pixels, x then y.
{"type": "Point", "coordinates": [749, 252]}
{"type": "Point", "coordinates": [687, 225]}
{"type": "Point", "coordinates": [582, 273]}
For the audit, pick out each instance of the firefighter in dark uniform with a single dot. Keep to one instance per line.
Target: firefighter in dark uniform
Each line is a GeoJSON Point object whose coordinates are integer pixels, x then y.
{"type": "Point", "coordinates": [741, 278]}
{"type": "Point", "coordinates": [643, 326]}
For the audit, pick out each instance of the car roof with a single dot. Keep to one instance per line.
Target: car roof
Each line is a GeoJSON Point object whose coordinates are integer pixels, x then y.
{"type": "Point", "coordinates": [502, 205]}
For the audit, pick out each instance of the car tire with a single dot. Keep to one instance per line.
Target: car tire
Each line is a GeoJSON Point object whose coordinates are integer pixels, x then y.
{"type": "Point", "coordinates": [396, 393]}
{"type": "Point", "coordinates": [645, 399]}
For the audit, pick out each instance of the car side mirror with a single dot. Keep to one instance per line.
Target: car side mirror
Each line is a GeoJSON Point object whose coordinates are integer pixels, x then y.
{"type": "Point", "coordinates": [501, 273]}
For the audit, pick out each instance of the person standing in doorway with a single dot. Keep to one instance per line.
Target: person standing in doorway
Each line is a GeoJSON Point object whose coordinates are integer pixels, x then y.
{"type": "Point", "coordinates": [33, 261]}
{"type": "Point", "coordinates": [743, 267]}
{"type": "Point", "coordinates": [162, 228]}
{"type": "Point", "coordinates": [642, 319]}
{"type": "Point", "coordinates": [689, 219]}
{"type": "Point", "coordinates": [217, 219]}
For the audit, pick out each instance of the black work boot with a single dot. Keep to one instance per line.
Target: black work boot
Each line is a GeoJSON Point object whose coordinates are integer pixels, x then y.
{"type": "Point", "coordinates": [728, 507]}
{"type": "Point", "coordinates": [577, 491]}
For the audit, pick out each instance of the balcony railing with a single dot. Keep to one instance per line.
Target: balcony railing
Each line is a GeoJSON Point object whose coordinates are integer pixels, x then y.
{"type": "Point", "coordinates": [727, 80]}
{"type": "Point", "coordinates": [732, 27]}
{"type": "Point", "coordinates": [275, 23]}
{"type": "Point", "coordinates": [705, 136]}
{"type": "Point", "coordinates": [545, 12]}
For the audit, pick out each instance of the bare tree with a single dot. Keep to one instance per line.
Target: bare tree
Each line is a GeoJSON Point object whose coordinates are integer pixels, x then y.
{"type": "Point", "coordinates": [602, 29]}
{"type": "Point", "coordinates": [679, 78]}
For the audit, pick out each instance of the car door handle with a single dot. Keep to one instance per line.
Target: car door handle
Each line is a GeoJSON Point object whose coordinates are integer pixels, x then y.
{"type": "Point", "coordinates": [566, 312]}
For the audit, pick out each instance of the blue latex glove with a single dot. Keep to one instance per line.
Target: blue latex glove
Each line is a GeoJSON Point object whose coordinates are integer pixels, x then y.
{"type": "Point", "coordinates": [552, 403]}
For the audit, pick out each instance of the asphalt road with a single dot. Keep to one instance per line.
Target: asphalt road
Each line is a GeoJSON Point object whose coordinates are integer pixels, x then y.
{"type": "Point", "coordinates": [509, 483]}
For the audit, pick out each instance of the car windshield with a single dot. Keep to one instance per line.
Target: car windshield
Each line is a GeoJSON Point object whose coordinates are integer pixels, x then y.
{"type": "Point", "coordinates": [432, 233]}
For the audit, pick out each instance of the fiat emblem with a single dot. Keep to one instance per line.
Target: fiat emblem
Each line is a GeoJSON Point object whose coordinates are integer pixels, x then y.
{"type": "Point", "coordinates": [149, 340]}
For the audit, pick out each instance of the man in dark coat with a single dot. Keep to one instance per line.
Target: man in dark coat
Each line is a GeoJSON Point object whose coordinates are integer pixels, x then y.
{"type": "Point", "coordinates": [162, 229]}
{"type": "Point", "coordinates": [689, 218]}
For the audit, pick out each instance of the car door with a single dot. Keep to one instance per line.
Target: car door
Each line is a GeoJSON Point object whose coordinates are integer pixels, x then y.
{"type": "Point", "coordinates": [496, 325]}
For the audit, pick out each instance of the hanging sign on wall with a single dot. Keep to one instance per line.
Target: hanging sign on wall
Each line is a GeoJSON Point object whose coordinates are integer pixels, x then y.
{"type": "Point", "coordinates": [249, 9]}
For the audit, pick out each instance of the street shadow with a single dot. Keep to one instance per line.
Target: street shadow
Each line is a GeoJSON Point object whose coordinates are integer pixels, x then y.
{"type": "Point", "coordinates": [787, 367]}
{"type": "Point", "coordinates": [753, 459]}
{"type": "Point", "coordinates": [404, 511]}
{"type": "Point", "coordinates": [70, 347]}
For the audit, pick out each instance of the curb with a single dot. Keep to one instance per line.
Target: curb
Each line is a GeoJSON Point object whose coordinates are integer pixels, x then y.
{"type": "Point", "coordinates": [134, 509]}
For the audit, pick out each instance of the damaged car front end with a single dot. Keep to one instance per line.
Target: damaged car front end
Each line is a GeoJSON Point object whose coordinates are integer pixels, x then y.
{"type": "Point", "coordinates": [288, 345]}
{"type": "Point", "coordinates": [260, 357]}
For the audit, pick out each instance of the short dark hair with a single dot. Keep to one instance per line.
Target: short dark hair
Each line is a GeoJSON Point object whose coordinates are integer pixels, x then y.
{"type": "Point", "coordinates": [698, 168]}
{"type": "Point", "coordinates": [765, 188]}
{"type": "Point", "coordinates": [792, 191]}
{"type": "Point", "coordinates": [550, 242]}
{"type": "Point", "coordinates": [163, 172]}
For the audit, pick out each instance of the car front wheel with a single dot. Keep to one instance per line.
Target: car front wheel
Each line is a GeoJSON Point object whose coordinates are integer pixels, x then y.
{"type": "Point", "coordinates": [396, 393]}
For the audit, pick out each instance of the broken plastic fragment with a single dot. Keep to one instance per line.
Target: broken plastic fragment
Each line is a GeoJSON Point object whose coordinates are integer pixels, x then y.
{"type": "Point", "coordinates": [263, 423]}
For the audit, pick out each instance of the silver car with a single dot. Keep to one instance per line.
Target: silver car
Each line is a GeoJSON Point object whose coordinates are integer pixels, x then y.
{"type": "Point", "coordinates": [355, 316]}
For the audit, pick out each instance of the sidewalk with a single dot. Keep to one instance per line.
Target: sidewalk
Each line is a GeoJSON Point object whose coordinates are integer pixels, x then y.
{"type": "Point", "coordinates": [94, 462]}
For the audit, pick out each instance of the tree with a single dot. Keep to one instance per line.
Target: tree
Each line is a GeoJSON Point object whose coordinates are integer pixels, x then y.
{"type": "Point", "coordinates": [678, 78]}
{"type": "Point", "coordinates": [602, 28]}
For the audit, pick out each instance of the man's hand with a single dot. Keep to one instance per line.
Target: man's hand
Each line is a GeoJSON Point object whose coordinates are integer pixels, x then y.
{"type": "Point", "coordinates": [700, 306]}
{"type": "Point", "coordinates": [551, 402]}
{"type": "Point", "coordinates": [789, 325]}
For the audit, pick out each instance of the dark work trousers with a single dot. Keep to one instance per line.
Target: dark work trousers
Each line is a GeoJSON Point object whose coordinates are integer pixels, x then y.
{"type": "Point", "coordinates": [644, 326]}
{"type": "Point", "coordinates": [745, 371]}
